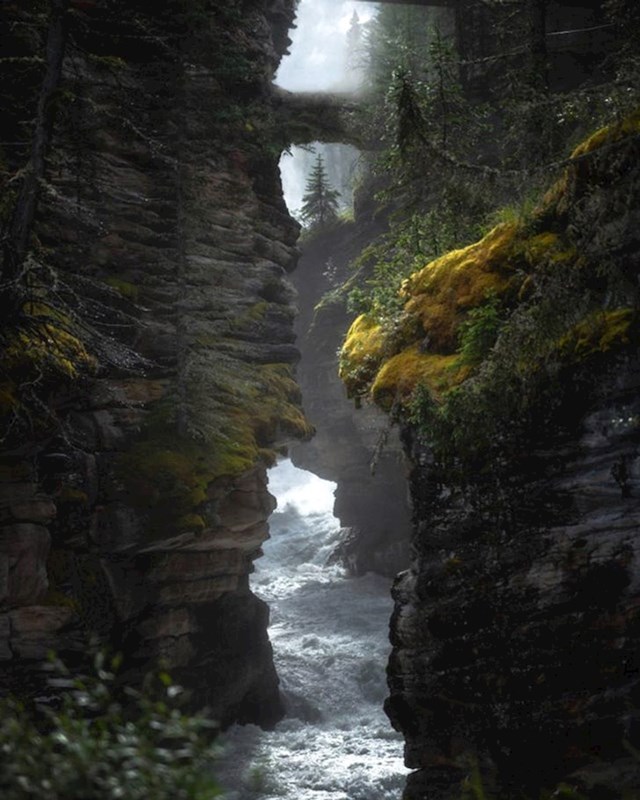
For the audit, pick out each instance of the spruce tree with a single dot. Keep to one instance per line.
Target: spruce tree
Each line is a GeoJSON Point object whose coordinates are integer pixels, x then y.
{"type": "Point", "coordinates": [320, 202]}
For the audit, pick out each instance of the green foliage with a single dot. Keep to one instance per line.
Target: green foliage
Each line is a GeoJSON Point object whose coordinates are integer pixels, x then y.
{"type": "Point", "coordinates": [411, 242]}
{"type": "Point", "coordinates": [103, 743]}
{"type": "Point", "coordinates": [320, 202]}
{"type": "Point", "coordinates": [500, 341]}
{"type": "Point", "coordinates": [437, 138]}
{"type": "Point", "coordinates": [478, 333]}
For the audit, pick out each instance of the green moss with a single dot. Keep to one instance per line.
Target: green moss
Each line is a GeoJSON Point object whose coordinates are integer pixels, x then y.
{"type": "Point", "coordinates": [539, 281]}
{"type": "Point", "coordinates": [126, 289]}
{"type": "Point", "coordinates": [191, 522]}
{"type": "Point", "coordinates": [167, 472]}
{"type": "Point", "coordinates": [56, 598]}
{"type": "Point", "coordinates": [42, 351]}
{"type": "Point", "coordinates": [9, 400]}
{"type": "Point", "coordinates": [46, 345]}
{"type": "Point", "coordinates": [599, 332]}
{"type": "Point", "coordinates": [72, 495]}
{"type": "Point", "coordinates": [361, 354]}
{"type": "Point", "coordinates": [254, 313]}
{"type": "Point", "coordinates": [401, 374]}
{"type": "Point", "coordinates": [609, 134]}
{"type": "Point", "coordinates": [440, 294]}
{"type": "Point", "coordinates": [168, 476]}
{"type": "Point", "coordinates": [577, 176]}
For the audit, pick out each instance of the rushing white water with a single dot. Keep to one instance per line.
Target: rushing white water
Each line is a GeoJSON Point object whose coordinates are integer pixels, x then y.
{"type": "Point", "coordinates": [329, 635]}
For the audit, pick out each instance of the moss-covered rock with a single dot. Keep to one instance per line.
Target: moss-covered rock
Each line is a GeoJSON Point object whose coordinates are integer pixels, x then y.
{"type": "Point", "coordinates": [517, 266]}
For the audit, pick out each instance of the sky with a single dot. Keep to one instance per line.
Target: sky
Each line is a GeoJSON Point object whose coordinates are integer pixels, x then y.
{"type": "Point", "coordinates": [317, 62]}
{"type": "Point", "coordinates": [318, 53]}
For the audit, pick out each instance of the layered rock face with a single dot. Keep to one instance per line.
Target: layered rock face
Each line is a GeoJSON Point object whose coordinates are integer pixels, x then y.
{"type": "Point", "coordinates": [517, 650]}
{"type": "Point", "coordinates": [358, 449]}
{"type": "Point", "coordinates": [516, 628]}
{"type": "Point", "coordinates": [135, 512]}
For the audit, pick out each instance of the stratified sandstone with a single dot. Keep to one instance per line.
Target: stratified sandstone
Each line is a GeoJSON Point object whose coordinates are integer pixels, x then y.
{"type": "Point", "coordinates": [135, 512]}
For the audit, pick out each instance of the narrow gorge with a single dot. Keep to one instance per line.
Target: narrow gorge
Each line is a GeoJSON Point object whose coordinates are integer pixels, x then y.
{"type": "Point", "coordinates": [453, 345]}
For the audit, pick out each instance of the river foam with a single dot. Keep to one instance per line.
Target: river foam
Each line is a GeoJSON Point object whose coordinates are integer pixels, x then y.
{"type": "Point", "coordinates": [329, 634]}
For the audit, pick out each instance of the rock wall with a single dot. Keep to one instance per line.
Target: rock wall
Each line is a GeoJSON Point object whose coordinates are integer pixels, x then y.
{"type": "Point", "coordinates": [515, 630]}
{"type": "Point", "coordinates": [356, 448]}
{"type": "Point", "coordinates": [133, 511]}
{"type": "Point", "coordinates": [516, 651]}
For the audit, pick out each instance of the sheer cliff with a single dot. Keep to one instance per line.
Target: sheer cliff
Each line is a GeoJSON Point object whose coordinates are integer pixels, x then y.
{"type": "Point", "coordinates": [514, 362]}
{"type": "Point", "coordinates": [146, 374]}
{"type": "Point", "coordinates": [355, 448]}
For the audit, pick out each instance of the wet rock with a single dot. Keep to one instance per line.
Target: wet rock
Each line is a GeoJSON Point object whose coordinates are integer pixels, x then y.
{"type": "Point", "coordinates": [24, 549]}
{"type": "Point", "coordinates": [526, 644]}
{"type": "Point", "coordinates": [181, 242]}
{"type": "Point", "coordinates": [354, 447]}
{"type": "Point", "coordinates": [38, 630]}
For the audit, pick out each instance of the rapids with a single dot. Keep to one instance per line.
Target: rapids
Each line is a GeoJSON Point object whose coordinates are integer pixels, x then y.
{"type": "Point", "coordinates": [329, 635]}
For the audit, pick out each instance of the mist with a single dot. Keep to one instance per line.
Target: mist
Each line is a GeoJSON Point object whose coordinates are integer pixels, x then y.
{"type": "Point", "coordinates": [319, 60]}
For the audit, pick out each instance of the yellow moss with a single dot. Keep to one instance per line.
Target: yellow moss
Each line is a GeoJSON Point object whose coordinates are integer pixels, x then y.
{"type": "Point", "coordinates": [438, 298]}
{"type": "Point", "coordinates": [266, 410]}
{"type": "Point", "coordinates": [55, 597]}
{"type": "Point", "coordinates": [257, 310]}
{"type": "Point", "coordinates": [166, 480]}
{"type": "Point", "coordinates": [70, 494]}
{"type": "Point", "coordinates": [597, 333]}
{"type": "Point", "coordinates": [558, 198]}
{"type": "Point", "coordinates": [402, 373]}
{"type": "Point", "coordinates": [169, 476]}
{"type": "Point", "coordinates": [251, 315]}
{"type": "Point", "coordinates": [440, 294]}
{"type": "Point", "coordinates": [364, 338]}
{"type": "Point", "coordinates": [361, 353]}
{"type": "Point", "coordinates": [609, 134]}
{"type": "Point", "coordinates": [191, 522]}
{"type": "Point", "coordinates": [46, 346]}
{"type": "Point", "coordinates": [8, 398]}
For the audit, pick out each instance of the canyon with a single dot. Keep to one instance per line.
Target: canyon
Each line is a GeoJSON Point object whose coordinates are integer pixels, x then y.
{"type": "Point", "coordinates": [165, 342]}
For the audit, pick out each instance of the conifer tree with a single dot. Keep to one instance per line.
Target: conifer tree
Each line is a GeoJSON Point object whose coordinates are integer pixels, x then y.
{"type": "Point", "coordinates": [320, 202]}
{"type": "Point", "coordinates": [355, 52]}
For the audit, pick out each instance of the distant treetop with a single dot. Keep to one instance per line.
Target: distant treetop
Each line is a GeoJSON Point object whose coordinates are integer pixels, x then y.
{"type": "Point", "coordinates": [320, 201]}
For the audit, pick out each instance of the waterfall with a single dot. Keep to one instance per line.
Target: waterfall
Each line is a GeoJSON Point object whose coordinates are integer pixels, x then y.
{"type": "Point", "coordinates": [329, 635]}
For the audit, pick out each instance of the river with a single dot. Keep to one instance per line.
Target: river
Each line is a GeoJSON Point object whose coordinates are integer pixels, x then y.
{"type": "Point", "coordinates": [329, 634]}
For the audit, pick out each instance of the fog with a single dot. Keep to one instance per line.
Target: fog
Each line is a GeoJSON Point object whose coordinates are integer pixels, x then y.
{"type": "Point", "coordinates": [319, 60]}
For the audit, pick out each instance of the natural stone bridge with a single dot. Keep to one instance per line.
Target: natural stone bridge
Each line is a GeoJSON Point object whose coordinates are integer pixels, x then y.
{"type": "Point", "coordinates": [317, 116]}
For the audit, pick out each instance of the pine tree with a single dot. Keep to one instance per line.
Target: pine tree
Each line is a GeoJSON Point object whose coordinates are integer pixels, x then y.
{"type": "Point", "coordinates": [320, 202]}
{"type": "Point", "coordinates": [355, 52]}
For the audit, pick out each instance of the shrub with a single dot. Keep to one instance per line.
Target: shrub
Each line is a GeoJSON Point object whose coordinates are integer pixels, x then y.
{"type": "Point", "coordinates": [98, 742]}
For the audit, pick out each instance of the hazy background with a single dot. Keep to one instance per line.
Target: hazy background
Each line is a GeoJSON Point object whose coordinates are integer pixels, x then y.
{"type": "Point", "coordinates": [319, 61]}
